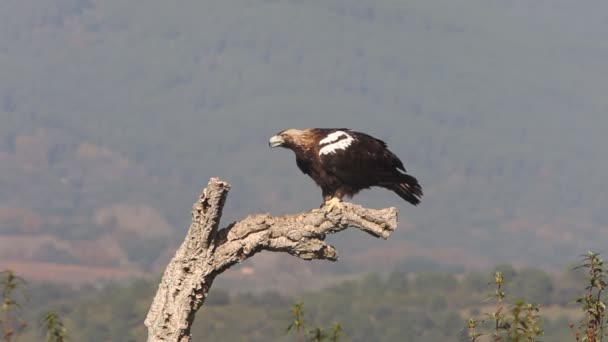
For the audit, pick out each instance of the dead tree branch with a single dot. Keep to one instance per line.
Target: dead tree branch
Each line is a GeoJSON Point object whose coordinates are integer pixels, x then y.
{"type": "Point", "coordinates": [207, 251]}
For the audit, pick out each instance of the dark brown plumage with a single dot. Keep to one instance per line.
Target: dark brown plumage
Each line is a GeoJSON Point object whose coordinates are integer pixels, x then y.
{"type": "Point", "coordinates": [343, 162]}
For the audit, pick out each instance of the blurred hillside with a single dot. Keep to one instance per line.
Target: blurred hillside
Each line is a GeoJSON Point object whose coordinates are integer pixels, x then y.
{"type": "Point", "coordinates": [114, 114]}
{"type": "Point", "coordinates": [429, 305]}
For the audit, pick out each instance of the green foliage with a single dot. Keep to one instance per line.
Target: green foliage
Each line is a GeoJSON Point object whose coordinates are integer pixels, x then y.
{"type": "Point", "coordinates": [336, 332]}
{"type": "Point", "coordinates": [297, 326]}
{"type": "Point", "coordinates": [54, 327]}
{"type": "Point", "coordinates": [517, 322]}
{"type": "Point", "coordinates": [592, 328]}
{"type": "Point", "coordinates": [377, 307]}
{"type": "Point", "coordinates": [314, 334]}
{"type": "Point", "coordinates": [12, 288]}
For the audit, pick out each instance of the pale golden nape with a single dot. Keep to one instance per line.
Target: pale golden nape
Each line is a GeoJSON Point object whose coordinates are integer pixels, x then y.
{"type": "Point", "coordinates": [293, 132]}
{"type": "Point", "coordinates": [299, 137]}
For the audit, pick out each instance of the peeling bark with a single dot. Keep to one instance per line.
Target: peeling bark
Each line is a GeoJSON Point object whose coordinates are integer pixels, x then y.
{"type": "Point", "coordinates": [208, 251]}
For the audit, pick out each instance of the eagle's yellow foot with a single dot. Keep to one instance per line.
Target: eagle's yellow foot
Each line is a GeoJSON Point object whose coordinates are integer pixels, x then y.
{"type": "Point", "coordinates": [333, 203]}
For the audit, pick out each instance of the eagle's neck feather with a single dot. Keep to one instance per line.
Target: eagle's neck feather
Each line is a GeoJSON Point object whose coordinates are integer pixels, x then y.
{"type": "Point", "coordinates": [302, 139]}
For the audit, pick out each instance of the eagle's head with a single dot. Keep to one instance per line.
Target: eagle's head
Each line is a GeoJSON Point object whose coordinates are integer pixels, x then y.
{"type": "Point", "coordinates": [289, 138]}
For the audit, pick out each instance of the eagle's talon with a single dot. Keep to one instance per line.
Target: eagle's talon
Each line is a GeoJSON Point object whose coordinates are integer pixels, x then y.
{"type": "Point", "coordinates": [333, 203]}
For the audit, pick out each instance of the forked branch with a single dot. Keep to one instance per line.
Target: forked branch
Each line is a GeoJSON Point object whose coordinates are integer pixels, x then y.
{"type": "Point", "coordinates": [208, 251]}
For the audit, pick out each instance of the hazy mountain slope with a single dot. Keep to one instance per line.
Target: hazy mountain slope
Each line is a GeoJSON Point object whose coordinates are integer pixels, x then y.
{"type": "Point", "coordinates": [497, 106]}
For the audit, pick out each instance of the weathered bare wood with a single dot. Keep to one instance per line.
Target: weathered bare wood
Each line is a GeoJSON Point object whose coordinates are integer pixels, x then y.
{"type": "Point", "coordinates": [206, 252]}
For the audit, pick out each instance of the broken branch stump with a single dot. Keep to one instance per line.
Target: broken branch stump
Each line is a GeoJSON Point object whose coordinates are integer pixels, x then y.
{"type": "Point", "coordinates": [208, 251]}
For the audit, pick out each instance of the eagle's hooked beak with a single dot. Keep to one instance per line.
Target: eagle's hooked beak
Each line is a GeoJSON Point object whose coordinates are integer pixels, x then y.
{"type": "Point", "coordinates": [276, 141]}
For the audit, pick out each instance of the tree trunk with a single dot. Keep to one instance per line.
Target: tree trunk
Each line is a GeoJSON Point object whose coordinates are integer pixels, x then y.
{"type": "Point", "coordinates": [208, 251]}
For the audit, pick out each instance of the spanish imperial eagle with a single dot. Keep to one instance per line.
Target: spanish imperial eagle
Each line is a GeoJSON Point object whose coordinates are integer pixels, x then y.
{"type": "Point", "coordinates": [343, 162]}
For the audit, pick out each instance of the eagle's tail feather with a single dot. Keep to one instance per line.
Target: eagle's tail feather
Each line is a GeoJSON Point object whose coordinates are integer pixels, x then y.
{"type": "Point", "coordinates": [409, 189]}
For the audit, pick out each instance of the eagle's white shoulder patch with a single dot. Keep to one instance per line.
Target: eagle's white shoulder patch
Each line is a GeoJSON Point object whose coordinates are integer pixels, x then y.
{"type": "Point", "coordinates": [338, 140]}
{"type": "Point", "coordinates": [331, 137]}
